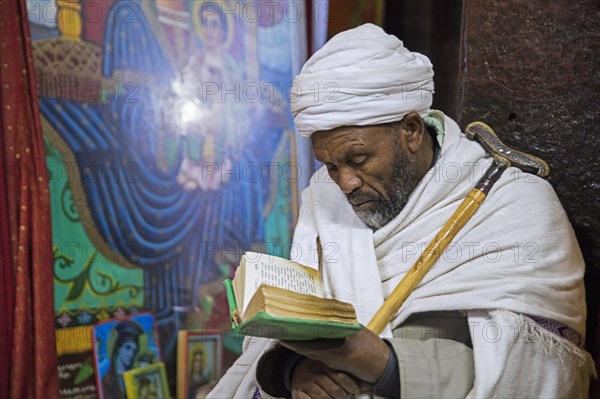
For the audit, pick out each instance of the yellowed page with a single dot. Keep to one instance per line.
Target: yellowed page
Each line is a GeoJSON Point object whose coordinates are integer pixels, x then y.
{"type": "Point", "coordinates": [278, 272]}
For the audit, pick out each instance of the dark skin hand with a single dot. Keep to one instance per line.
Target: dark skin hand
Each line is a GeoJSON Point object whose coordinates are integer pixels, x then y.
{"type": "Point", "coordinates": [313, 379]}
{"type": "Point", "coordinates": [362, 356]}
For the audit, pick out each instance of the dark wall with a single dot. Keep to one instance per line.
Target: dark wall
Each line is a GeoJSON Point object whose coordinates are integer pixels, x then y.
{"type": "Point", "coordinates": [431, 27]}
{"type": "Point", "coordinates": [530, 69]}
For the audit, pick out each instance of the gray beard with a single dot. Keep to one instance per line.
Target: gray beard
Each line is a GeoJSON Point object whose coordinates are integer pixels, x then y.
{"type": "Point", "coordinates": [405, 181]}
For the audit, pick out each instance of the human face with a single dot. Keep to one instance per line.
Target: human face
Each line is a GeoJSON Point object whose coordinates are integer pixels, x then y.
{"type": "Point", "coordinates": [127, 353]}
{"type": "Point", "coordinates": [371, 168]}
{"type": "Point", "coordinates": [213, 29]}
{"type": "Point", "coordinates": [197, 364]}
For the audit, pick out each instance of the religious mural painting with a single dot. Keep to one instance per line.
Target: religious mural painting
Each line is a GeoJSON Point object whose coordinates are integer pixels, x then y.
{"type": "Point", "coordinates": [170, 151]}
{"type": "Point", "coordinates": [121, 345]}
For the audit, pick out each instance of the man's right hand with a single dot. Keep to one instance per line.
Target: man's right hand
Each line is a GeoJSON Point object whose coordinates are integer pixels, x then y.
{"type": "Point", "coordinates": [312, 379]}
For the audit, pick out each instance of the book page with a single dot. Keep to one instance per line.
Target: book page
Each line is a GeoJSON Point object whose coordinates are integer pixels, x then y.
{"type": "Point", "coordinates": [281, 273]}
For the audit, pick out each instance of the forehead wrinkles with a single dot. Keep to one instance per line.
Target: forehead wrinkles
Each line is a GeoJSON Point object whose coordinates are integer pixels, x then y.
{"type": "Point", "coordinates": [338, 149]}
{"type": "Point", "coordinates": [344, 139]}
{"type": "Point", "coordinates": [334, 143]}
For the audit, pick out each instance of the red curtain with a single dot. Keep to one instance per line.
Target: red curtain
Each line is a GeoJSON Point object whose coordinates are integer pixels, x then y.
{"type": "Point", "coordinates": [28, 367]}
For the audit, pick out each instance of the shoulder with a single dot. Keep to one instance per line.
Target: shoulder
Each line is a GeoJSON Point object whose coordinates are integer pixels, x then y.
{"type": "Point", "coordinates": [524, 208]}
{"type": "Point", "coordinates": [528, 195]}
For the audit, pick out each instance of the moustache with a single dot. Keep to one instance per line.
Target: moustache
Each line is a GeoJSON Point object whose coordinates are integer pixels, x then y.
{"type": "Point", "coordinates": [358, 197]}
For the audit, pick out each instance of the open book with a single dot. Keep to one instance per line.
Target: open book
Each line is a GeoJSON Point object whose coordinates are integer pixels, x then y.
{"type": "Point", "coordinates": [273, 297]}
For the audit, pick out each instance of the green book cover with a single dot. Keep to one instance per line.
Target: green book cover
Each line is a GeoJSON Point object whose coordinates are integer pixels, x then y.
{"type": "Point", "coordinates": [284, 328]}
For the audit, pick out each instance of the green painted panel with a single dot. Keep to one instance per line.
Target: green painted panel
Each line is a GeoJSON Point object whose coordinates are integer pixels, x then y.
{"type": "Point", "coordinates": [83, 278]}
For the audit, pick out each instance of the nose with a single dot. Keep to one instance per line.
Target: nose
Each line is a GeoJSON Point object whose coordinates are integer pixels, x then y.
{"type": "Point", "coordinates": [348, 180]}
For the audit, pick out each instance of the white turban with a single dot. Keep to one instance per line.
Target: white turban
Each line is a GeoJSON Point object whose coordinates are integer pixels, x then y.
{"type": "Point", "coordinates": [361, 77]}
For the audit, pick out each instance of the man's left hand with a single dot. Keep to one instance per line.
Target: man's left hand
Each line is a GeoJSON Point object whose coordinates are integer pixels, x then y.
{"type": "Point", "coordinates": [364, 354]}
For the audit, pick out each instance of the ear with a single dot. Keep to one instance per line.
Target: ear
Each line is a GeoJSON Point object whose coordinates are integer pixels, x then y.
{"type": "Point", "coordinates": [414, 130]}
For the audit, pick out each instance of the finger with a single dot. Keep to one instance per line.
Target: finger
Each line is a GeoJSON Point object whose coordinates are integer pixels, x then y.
{"type": "Point", "coordinates": [300, 395]}
{"type": "Point", "coordinates": [332, 389]}
{"type": "Point", "coordinates": [312, 391]}
{"type": "Point", "coordinates": [348, 383]}
{"type": "Point", "coordinates": [365, 387]}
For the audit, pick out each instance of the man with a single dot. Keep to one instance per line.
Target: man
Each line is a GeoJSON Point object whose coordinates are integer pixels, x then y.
{"type": "Point", "coordinates": [500, 314]}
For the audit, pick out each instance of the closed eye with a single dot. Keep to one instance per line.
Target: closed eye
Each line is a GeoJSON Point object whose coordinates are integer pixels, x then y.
{"type": "Point", "coordinates": [358, 160]}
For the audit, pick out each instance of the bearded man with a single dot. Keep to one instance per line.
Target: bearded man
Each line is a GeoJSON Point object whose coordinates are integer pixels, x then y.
{"type": "Point", "coordinates": [500, 314]}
